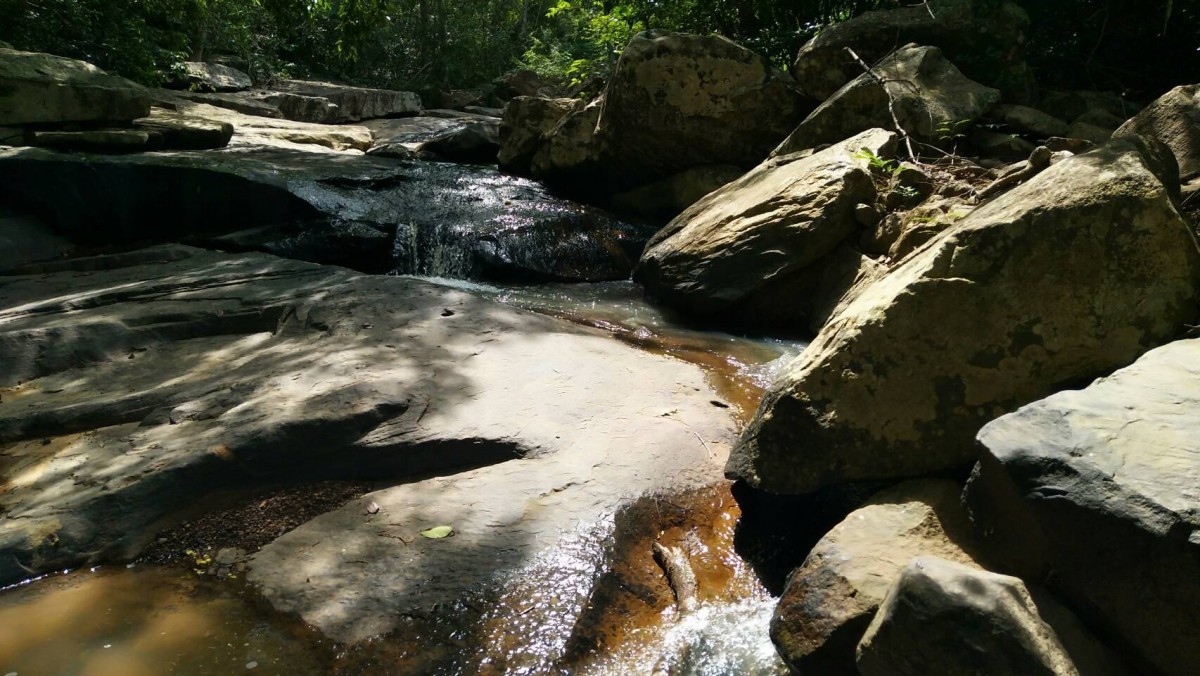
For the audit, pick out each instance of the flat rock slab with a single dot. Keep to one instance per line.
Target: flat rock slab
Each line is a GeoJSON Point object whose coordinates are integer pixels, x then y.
{"type": "Point", "coordinates": [136, 384]}
{"type": "Point", "coordinates": [1096, 490]}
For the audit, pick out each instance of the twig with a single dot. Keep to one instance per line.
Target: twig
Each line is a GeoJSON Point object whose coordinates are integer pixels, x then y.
{"type": "Point", "coordinates": [891, 102]}
{"type": "Point", "coordinates": [929, 9]}
{"type": "Point", "coordinates": [701, 440]}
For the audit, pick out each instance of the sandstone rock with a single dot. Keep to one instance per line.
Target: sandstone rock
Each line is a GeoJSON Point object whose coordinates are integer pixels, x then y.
{"type": "Point", "coordinates": [1173, 119]}
{"type": "Point", "coordinates": [667, 198]}
{"type": "Point", "coordinates": [1089, 132]}
{"type": "Point", "coordinates": [411, 130]}
{"type": "Point", "coordinates": [40, 88]}
{"type": "Point", "coordinates": [941, 617]}
{"type": "Point", "coordinates": [830, 600]}
{"type": "Point", "coordinates": [925, 222]}
{"type": "Point", "coordinates": [209, 77]}
{"type": "Point", "coordinates": [1095, 491]}
{"type": "Point", "coordinates": [677, 100]}
{"type": "Point", "coordinates": [328, 103]}
{"type": "Point", "coordinates": [522, 83]}
{"type": "Point", "coordinates": [235, 102]}
{"type": "Point", "coordinates": [567, 153]}
{"type": "Point", "coordinates": [761, 230]}
{"type": "Point", "coordinates": [100, 141]}
{"type": "Point", "coordinates": [985, 39]}
{"type": "Point", "coordinates": [1026, 120]}
{"type": "Point", "coordinates": [474, 142]}
{"type": "Point", "coordinates": [927, 90]}
{"type": "Point", "coordinates": [184, 132]}
{"type": "Point", "coordinates": [1098, 117]}
{"type": "Point", "coordinates": [258, 130]}
{"type": "Point", "coordinates": [526, 120]}
{"type": "Point", "coordinates": [998, 311]}
{"type": "Point", "coordinates": [1006, 147]}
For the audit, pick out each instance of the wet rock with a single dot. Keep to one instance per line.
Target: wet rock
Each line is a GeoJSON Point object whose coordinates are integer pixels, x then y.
{"type": "Point", "coordinates": [526, 120]}
{"type": "Point", "coordinates": [973, 326]}
{"type": "Point", "coordinates": [1026, 120]}
{"type": "Point", "coordinates": [762, 229]}
{"type": "Point", "coordinates": [669, 197]}
{"type": "Point", "coordinates": [677, 101]}
{"type": "Point", "coordinates": [394, 151]}
{"type": "Point", "coordinates": [328, 103]}
{"type": "Point", "coordinates": [208, 77]}
{"type": "Point", "coordinates": [40, 88]}
{"type": "Point", "coordinates": [477, 142]}
{"type": "Point", "coordinates": [1173, 119]}
{"type": "Point", "coordinates": [324, 372]}
{"type": "Point", "coordinates": [830, 600]}
{"type": "Point", "coordinates": [941, 617]}
{"type": "Point", "coordinates": [985, 39]}
{"type": "Point", "coordinates": [184, 132]}
{"type": "Point", "coordinates": [926, 91]}
{"type": "Point", "coordinates": [99, 141]}
{"type": "Point", "coordinates": [412, 130]}
{"type": "Point", "coordinates": [1095, 492]}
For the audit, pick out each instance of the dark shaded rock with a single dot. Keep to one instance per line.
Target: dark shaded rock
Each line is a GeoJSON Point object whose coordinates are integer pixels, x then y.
{"type": "Point", "coordinates": [669, 197]}
{"type": "Point", "coordinates": [1094, 491]}
{"type": "Point", "coordinates": [25, 240]}
{"type": "Point", "coordinates": [477, 142]}
{"type": "Point", "coordinates": [183, 132]}
{"type": "Point", "coordinates": [973, 325]}
{"type": "Point", "coordinates": [328, 103]}
{"type": "Point", "coordinates": [1026, 120]}
{"type": "Point", "coordinates": [526, 121]}
{"type": "Point", "coordinates": [40, 88]}
{"type": "Point", "coordinates": [1071, 105]}
{"type": "Point", "coordinates": [984, 38]}
{"type": "Point", "coordinates": [100, 141]}
{"type": "Point", "coordinates": [235, 102]}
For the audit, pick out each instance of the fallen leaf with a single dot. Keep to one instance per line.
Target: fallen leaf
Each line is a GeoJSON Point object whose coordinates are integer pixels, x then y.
{"type": "Point", "coordinates": [438, 532]}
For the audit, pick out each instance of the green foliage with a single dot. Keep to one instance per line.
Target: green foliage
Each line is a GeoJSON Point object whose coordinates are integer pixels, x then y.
{"type": "Point", "coordinates": [878, 164]}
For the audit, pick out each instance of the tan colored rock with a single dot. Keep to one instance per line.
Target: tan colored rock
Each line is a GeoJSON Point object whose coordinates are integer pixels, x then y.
{"type": "Point", "coordinates": [1073, 274]}
{"type": "Point", "coordinates": [926, 92]}
{"type": "Point", "coordinates": [40, 88]}
{"type": "Point", "coordinates": [831, 599]}
{"type": "Point", "coordinates": [209, 77]}
{"type": "Point", "coordinates": [1173, 119]}
{"type": "Point", "coordinates": [526, 120]}
{"type": "Point", "coordinates": [568, 151]}
{"type": "Point", "coordinates": [186, 132]}
{"type": "Point", "coordinates": [925, 222]}
{"type": "Point", "coordinates": [329, 103]}
{"type": "Point", "coordinates": [762, 229]}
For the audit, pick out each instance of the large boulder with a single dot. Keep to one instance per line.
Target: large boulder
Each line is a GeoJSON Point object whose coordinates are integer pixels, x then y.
{"type": "Point", "coordinates": [1173, 119]}
{"type": "Point", "coordinates": [830, 600]}
{"type": "Point", "coordinates": [763, 230]}
{"type": "Point", "coordinates": [526, 120]}
{"type": "Point", "coordinates": [470, 142]}
{"type": "Point", "coordinates": [1066, 277]}
{"type": "Point", "coordinates": [329, 103]}
{"type": "Point", "coordinates": [567, 154]}
{"type": "Point", "coordinates": [1094, 491]}
{"type": "Point", "coordinates": [43, 89]}
{"type": "Point", "coordinates": [925, 91]}
{"type": "Point", "coordinates": [677, 100]}
{"type": "Point", "coordinates": [941, 617]}
{"type": "Point", "coordinates": [985, 38]}
{"type": "Point", "coordinates": [209, 77]}
{"type": "Point", "coordinates": [185, 132]}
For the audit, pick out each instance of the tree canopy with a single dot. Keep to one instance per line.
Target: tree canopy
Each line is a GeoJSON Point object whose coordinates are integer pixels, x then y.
{"type": "Point", "coordinates": [1130, 45]}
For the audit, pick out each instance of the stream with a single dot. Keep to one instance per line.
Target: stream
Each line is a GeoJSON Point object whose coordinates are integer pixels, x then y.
{"type": "Point", "coordinates": [150, 618]}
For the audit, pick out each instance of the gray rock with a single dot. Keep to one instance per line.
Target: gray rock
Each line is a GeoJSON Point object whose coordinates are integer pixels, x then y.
{"type": "Point", "coordinates": [975, 324]}
{"type": "Point", "coordinates": [40, 88]}
{"type": "Point", "coordinates": [477, 142]}
{"type": "Point", "coordinates": [209, 77]}
{"type": "Point", "coordinates": [996, 146]}
{"type": "Point", "coordinates": [185, 132]}
{"type": "Point", "coordinates": [527, 119]}
{"type": "Point", "coordinates": [25, 240]}
{"type": "Point", "coordinates": [568, 152]}
{"type": "Point", "coordinates": [830, 600]}
{"type": "Point", "coordinates": [926, 90]}
{"type": "Point", "coordinates": [1026, 120]}
{"type": "Point", "coordinates": [328, 103]}
{"type": "Point", "coordinates": [985, 39]}
{"type": "Point", "coordinates": [762, 230]}
{"type": "Point", "coordinates": [1090, 132]}
{"type": "Point", "coordinates": [235, 102]}
{"type": "Point", "coordinates": [1173, 119]}
{"type": "Point", "coordinates": [1098, 117]}
{"type": "Point", "coordinates": [941, 617]}
{"type": "Point", "coordinates": [1095, 491]}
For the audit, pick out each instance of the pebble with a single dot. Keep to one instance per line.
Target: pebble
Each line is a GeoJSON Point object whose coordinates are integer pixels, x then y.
{"type": "Point", "coordinates": [251, 665]}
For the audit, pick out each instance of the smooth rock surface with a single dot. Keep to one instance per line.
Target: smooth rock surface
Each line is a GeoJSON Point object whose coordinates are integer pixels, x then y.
{"type": "Point", "coordinates": [329, 103]}
{"type": "Point", "coordinates": [1066, 277]}
{"type": "Point", "coordinates": [941, 617]}
{"type": "Point", "coordinates": [235, 102]}
{"type": "Point", "coordinates": [526, 120]}
{"type": "Point", "coordinates": [762, 229]}
{"type": "Point", "coordinates": [186, 132]}
{"type": "Point", "coordinates": [1095, 491]}
{"type": "Point", "coordinates": [927, 93]}
{"type": "Point", "coordinates": [984, 38]}
{"type": "Point", "coordinates": [41, 88]}
{"type": "Point", "coordinates": [830, 600]}
{"type": "Point", "coordinates": [1173, 119]}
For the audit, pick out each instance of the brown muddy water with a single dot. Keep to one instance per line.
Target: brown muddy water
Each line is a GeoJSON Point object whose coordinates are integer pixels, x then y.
{"type": "Point", "coordinates": [168, 615]}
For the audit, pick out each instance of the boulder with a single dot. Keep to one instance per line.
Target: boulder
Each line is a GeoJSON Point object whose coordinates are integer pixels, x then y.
{"type": "Point", "coordinates": [522, 82]}
{"type": "Point", "coordinates": [526, 120]}
{"type": "Point", "coordinates": [328, 103]}
{"type": "Point", "coordinates": [984, 38]}
{"type": "Point", "coordinates": [258, 130]}
{"type": "Point", "coordinates": [926, 91]}
{"type": "Point", "coordinates": [925, 222]}
{"type": "Point", "coordinates": [185, 132]}
{"type": "Point", "coordinates": [235, 102]}
{"type": "Point", "coordinates": [998, 311]}
{"type": "Point", "coordinates": [99, 141]}
{"type": "Point", "coordinates": [458, 99]}
{"type": "Point", "coordinates": [1094, 491]}
{"type": "Point", "coordinates": [1090, 132]}
{"type": "Point", "coordinates": [1071, 105]}
{"type": "Point", "coordinates": [1004, 147]}
{"type": "Point", "coordinates": [567, 153]}
{"type": "Point", "coordinates": [1098, 117]}
{"type": "Point", "coordinates": [43, 89]}
{"type": "Point", "coordinates": [1026, 120]}
{"type": "Point", "coordinates": [208, 77]}
{"type": "Point", "coordinates": [941, 617]}
{"type": "Point", "coordinates": [667, 198]}
{"type": "Point", "coordinates": [412, 130]}
{"type": "Point", "coordinates": [830, 600]}
{"type": "Point", "coordinates": [1173, 119]}
{"type": "Point", "coordinates": [677, 101]}
{"type": "Point", "coordinates": [476, 142]}
{"type": "Point", "coordinates": [762, 230]}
